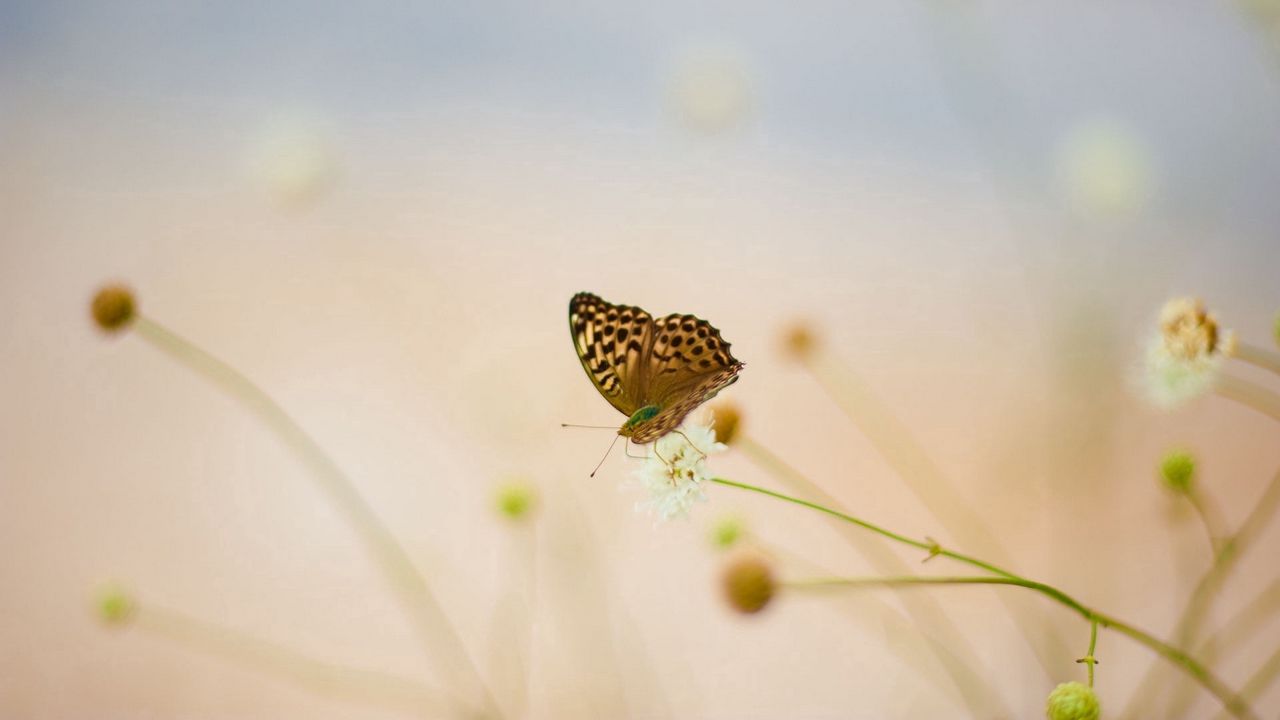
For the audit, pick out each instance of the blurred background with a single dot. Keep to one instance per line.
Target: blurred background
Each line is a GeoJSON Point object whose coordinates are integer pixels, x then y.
{"type": "Point", "coordinates": [378, 212]}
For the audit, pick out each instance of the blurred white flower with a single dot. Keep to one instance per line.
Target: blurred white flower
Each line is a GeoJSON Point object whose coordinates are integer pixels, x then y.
{"type": "Point", "coordinates": [1185, 355]}
{"type": "Point", "coordinates": [675, 470]}
{"type": "Point", "coordinates": [1105, 168]}
{"type": "Point", "coordinates": [292, 161]}
{"type": "Point", "coordinates": [711, 90]}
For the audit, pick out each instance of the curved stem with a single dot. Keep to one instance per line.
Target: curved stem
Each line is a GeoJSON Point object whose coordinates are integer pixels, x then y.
{"type": "Point", "coordinates": [950, 648]}
{"type": "Point", "coordinates": [1258, 357]}
{"type": "Point", "coordinates": [438, 635]}
{"type": "Point", "coordinates": [323, 678]}
{"type": "Point", "coordinates": [1210, 518]}
{"type": "Point", "coordinates": [1224, 561]}
{"type": "Point", "coordinates": [1229, 699]}
{"type": "Point", "coordinates": [930, 547]}
{"type": "Point", "coordinates": [1250, 394]}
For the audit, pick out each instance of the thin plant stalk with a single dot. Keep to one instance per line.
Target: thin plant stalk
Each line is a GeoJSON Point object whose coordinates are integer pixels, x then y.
{"type": "Point", "coordinates": [1258, 357]}
{"type": "Point", "coordinates": [438, 635]}
{"type": "Point", "coordinates": [950, 647]}
{"type": "Point", "coordinates": [1243, 625]}
{"type": "Point", "coordinates": [1211, 582]}
{"type": "Point", "coordinates": [1250, 394]}
{"type": "Point", "coordinates": [1230, 700]}
{"type": "Point", "coordinates": [354, 685]}
{"type": "Point", "coordinates": [916, 468]}
{"type": "Point", "coordinates": [1246, 622]}
{"type": "Point", "coordinates": [1262, 678]}
{"type": "Point", "coordinates": [1089, 658]}
{"type": "Point", "coordinates": [511, 642]}
{"type": "Point", "coordinates": [1210, 518]}
{"type": "Point", "coordinates": [903, 628]}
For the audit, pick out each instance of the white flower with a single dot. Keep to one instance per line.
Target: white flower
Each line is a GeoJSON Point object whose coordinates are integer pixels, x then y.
{"type": "Point", "coordinates": [1184, 357]}
{"type": "Point", "coordinates": [1105, 168]}
{"type": "Point", "coordinates": [676, 469]}
{"type": "Point", "coordinates": [711, 89]}
{"type": "Point", "coordinates": [292, 161]}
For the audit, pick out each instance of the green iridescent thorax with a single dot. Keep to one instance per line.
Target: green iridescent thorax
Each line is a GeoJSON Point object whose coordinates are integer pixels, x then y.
{"type": "Point", "coordinates": [638, 418]}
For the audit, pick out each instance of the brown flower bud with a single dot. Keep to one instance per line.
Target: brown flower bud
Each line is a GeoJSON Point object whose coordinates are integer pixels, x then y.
{"type": "Point", "coordinates": [113, 308]}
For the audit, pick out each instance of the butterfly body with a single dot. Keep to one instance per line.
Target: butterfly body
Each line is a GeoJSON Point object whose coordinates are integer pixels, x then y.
{"type": "Point", "coordinates": [654, 371]}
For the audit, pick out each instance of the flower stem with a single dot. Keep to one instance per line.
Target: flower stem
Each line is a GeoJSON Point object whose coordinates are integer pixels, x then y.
{"type": "Point", "coordinates": [438, 635]}
{"type": "Point", "coordinates": [351, 684]}
{"type": "Point", "coordinates": [952, 651]}
{"type": "Point", "coordinates": [1089, 658]}
{"type": "Point", "coordinates": [1258, 357]}
{"type": "Point", "coordinates": [1201, 600]}
{"type": "Point", "coordinates": [1210, 518]}
{"type": "Point", "coordinates": [895, 443]}
{"type": "Point", "coordinates": [1236, 705]}
{"type": "Point", "coordinates": [1249, 394]}
{"type": "Point", "coordinates": [1262, 678]}
{"type": "Point", "coordinates": [931, 547]}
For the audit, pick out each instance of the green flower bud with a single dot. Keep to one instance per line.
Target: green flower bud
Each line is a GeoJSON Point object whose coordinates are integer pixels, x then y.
{"type": "Point", "coordinates": [115, 607]}
{"type": "Point", "coordinates": [1072, 701]}
{"type": "Point", "coordinates": [515, 499]}
{"type": "Point", "coordinates": [1178, 470]}
{"type": "Point", "coordinates": [727, 531]}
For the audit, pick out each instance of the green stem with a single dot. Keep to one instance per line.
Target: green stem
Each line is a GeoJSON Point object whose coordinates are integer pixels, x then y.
{"type": "Point", "coordinates": [1258, 357]}
{"type": "Point", "coordinates": [438, 635]}
{"type": "Point", "coordinates": [1245, 623]}
{"type": "Point", "coordinates": [1089, 658]}
{"type": "Point", "coordinates": [1207, 587]}
{"type": "Point", "coordinates": [1262, 678]}
{"type": "Point", "coordinates": [351, 684]}
{"type": "Point", "coordinates": [930, 547]}
{"type": "Point", "coordinates": [935, 491]}
{"type": "Point", "coordinates": [1236, 705]}
{"type": "Point", "coordinates": [950, 648]}
{"type": "Point", "coordinates": [1210, 518]}
{"type": "Point", "coordinates": [1250, 394]}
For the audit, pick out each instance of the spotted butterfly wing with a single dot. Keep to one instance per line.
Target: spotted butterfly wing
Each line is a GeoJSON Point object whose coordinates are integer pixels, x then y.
{"type": "Point", "coordinates": [654, 372]}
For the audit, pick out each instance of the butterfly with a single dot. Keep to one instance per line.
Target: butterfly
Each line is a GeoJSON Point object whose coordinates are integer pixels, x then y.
{"type": "Point", "coordinates": [653, 371]}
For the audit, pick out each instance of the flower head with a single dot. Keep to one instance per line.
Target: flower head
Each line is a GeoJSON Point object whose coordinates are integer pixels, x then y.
{"type": "Point", "coordinates": [115, 606]}
{"type": "Point", "coordinates": [798, 341]}
{"type": "Point", "coordinates": [727, 531]}
{"type": "Point", "coordinates": [1184, 358]}
{"type": "Point", "coordinates": [1178, 470]}
{"type": "Point", "coordinates": [515, 499]}
{"type": "Point", "coordinates": [725, 419]}
{"type": "Point", "coordinates": [748, 584]}
{"type": "Point", "coordinates": [676, 469]}
{"type": "Point", "coordinates": [113, 308]}
{"type": "Point", "coordinates": [711, 90]}
{"type": "Point", "coordinates": [1072, 701]}
{"type": "Point", "coordinates": [1105, 168]}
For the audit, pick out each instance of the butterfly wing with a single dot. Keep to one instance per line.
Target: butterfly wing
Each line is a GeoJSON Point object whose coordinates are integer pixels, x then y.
{"type": "Point", "coordinates": [612, 341]}
{"type": "Point", "coordinates": [688, 363]}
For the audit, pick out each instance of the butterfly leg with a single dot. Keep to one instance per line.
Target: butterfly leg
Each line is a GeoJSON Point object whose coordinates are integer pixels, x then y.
{"type": "Point", "coordinates": [627, 449]}
{"type": "Point", "coordinates": [695, 447]}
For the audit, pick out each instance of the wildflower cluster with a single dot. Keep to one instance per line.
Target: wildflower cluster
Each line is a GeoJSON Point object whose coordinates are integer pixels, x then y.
{"type": "Point", "coordinates": [676, 470]}
{"type": "Point", "coordinates": [1183, 359]}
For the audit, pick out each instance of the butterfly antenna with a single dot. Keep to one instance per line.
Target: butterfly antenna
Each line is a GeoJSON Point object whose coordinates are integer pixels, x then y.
{"type": "Point", "coordinates": [606, 455]}
{"type": "Point", "coordinates": [589, 427]}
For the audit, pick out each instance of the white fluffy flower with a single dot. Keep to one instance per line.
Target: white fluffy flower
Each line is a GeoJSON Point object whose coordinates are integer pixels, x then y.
{"type": "Point", "coordinates": [676, 469]}
{"type": "Point", "coordinates": [1184, 357]}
